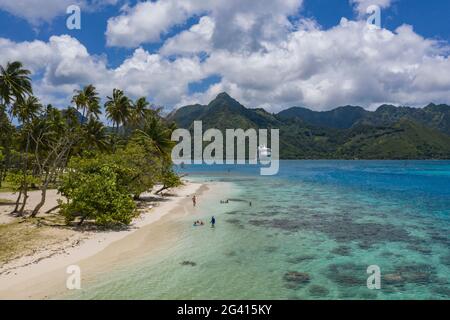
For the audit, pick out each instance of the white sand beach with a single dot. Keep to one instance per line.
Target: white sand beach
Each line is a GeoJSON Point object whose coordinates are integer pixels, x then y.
{"type": "Point", "coordinates": [42, 274]}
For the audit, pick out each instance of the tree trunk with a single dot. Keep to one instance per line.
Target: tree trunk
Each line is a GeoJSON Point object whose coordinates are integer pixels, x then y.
{"type": "Point", "coordinates": [43, 195]}
{"type": "Point", "coordinates": [2, 172]}
{"type": "Point", "coordinates": [41, 203]}
{"type": "Point", "coordinates": [162, 189]}
{"type": "Point", "coordinates": [25, 169]}
{"type": "Point", "coordinates": [25, 198]}
{"type": "Point", "coordinates": [16, 208]}
{"type": "Point", "coordinates": [81, 221]}
{"type": "Point", "coordinates": [53, 209]}
{"type": "Point", "coordinates": [84, 112]}
{"type": "Point", "coordinates": [6, 167]}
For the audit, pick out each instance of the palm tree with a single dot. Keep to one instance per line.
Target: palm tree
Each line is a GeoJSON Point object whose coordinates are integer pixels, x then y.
{"type": "Point", "coordinates": [15, 83]}
{"type": "Point", "coordinates": [95, 135]}
{"type": "Point", "coordinates": [118, 108]}
{"type": "Point", "coordinates": [6, 133]}
{"type": "Point", "coordinates": [159, 134]}
{"type": "Point", "coordinates": [25, 111]}
{"type": "Point", "coordinates": [87, 100]}
{"type": "Point", "coordinates": [71, 116]}
{"type": "Point", "coordinates": [139, 109]}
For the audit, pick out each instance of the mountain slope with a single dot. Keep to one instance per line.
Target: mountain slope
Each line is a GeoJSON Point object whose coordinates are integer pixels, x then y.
{"type": "Point", "coordinates": [432, 116]}
{"type": "Point", "coordinates": [341, 118]}
{"type": "Point", "coordinates": [406, 139]}
{"type": "Point", "coordinates": [222, 113]}
{"type": "Point", "coordinates": [344, 133]}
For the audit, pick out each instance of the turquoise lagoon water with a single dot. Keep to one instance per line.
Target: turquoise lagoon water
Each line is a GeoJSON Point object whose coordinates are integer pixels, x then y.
{"type": "Point", "coordinates": [310, 233]}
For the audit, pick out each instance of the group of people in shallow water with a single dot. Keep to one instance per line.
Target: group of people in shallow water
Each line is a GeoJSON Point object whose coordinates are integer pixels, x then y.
{"type": "Point", "coordinates": [200, 223]}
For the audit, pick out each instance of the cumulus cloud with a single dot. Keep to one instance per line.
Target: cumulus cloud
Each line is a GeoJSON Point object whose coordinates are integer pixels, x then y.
{"type": "Point", "coordinates": [273, 64]}
{"type": "Point", "coordinates": [195, 40]}
{"type": "Point", "coordinates": [249, 25]}
{"type": "Point", "coordinates": [348, 64]}
{"type": "Point", "coordinates": [145, 22]}
{"type": "Point", "coordinates": [63, 64]}
{"type": "Point", "coordinates": [165, 81]}
{"type": "Point", "coordinates": [252, 20]}
{"type": "Point", "coordinates": [63, 59]}
{"type": "Point", "coordinates": [40, 11]}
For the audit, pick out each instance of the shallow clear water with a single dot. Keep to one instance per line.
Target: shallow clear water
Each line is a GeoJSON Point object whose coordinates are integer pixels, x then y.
{"type": "Point", "coordinates": [310, 233]}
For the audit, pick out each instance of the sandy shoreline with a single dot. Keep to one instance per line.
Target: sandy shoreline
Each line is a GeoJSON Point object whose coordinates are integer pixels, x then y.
{"type": "Point", "coordinates": [43, 275]}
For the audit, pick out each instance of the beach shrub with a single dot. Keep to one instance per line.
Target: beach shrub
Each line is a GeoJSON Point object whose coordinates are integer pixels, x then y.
{"type": "Point", "coordinates": [169, 179]}
{"type": "Point", "coordinates": [101, 186]}
{"type": "Point", "coordinates": [17, 179]}
{"type": "Point", "coordinates": [95, 192]}
{"type": "Point", "coordinates": [143, 167]}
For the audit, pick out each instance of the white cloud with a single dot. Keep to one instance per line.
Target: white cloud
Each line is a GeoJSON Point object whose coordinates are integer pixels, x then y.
{"type": "Point", "coordinates": [63, 59]}
{"type": "Point", "coordinates": [195, 40]}
{"type": "Point", "coordinates": [321, 69]}
{"type": "Point", "coordinates": [252, 20]}
{"type": "Point", "coordinates": [348, 64]}
{"type": "Point", "coordinates": [362, 5]}
{"type": "Point", "coordinates": [145, 22]}
{"type": "Point", "coordinates": [63, 64]}
{"type": "Point", "coordinates": [165, 81]}
{"type": "Point", "coordinates": [38, 11]}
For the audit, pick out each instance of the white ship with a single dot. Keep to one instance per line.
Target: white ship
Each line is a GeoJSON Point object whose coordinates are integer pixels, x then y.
{"type": "Point", "coordinates": [264, 153]}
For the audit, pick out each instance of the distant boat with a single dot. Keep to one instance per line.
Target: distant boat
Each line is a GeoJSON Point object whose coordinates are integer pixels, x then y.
{"type": "Point", "coordinates": [264, 153]}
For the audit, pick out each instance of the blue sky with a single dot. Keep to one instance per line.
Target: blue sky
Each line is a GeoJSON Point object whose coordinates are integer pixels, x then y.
{"type": "Point", "coordinates": [198, 76]}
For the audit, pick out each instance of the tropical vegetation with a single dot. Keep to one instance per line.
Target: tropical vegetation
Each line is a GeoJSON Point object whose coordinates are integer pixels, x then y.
{"type": "Point", "coordinates": [100, 171]}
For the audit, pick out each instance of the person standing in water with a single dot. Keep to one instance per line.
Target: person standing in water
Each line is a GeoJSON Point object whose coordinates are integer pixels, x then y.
{"type": "Point", "coordinates": [213, 222]}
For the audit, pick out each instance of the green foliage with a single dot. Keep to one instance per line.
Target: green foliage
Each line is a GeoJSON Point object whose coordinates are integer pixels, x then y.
{"type": "Point", "coordinates": [156, 132]}
{"type": "Point", "coordinates": [15, 83]}
{"type": "Point", "coordinates": [88, 101]}
{"type": "Point", "coordinates": [17, 179]}
{"type": "Point", "coordinates": [169, 179]}
{"type": "Point", "coordinates": [405, 140]}
{"type": "Point", "coordinates": [118, 108]}
{"type": "Point", "coordinates": [101, 186]}
{"type": "Point", "coordinates": [142, 166]}
{"type": "Point", "coordinates": [94, 191]}
{"type": "Point", "coordinates": [6, 130]}
{"type": "Point", "coordinates": [26, 109]}
{"type": "Point", "coordinates": [343, 133]}
{"type": "Point", "coordinates": [98, 171]}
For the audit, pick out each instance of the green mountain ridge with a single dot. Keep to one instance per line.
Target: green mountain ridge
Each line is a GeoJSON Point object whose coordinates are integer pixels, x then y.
{"type": "Point", "coordinates": [348, 132]}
